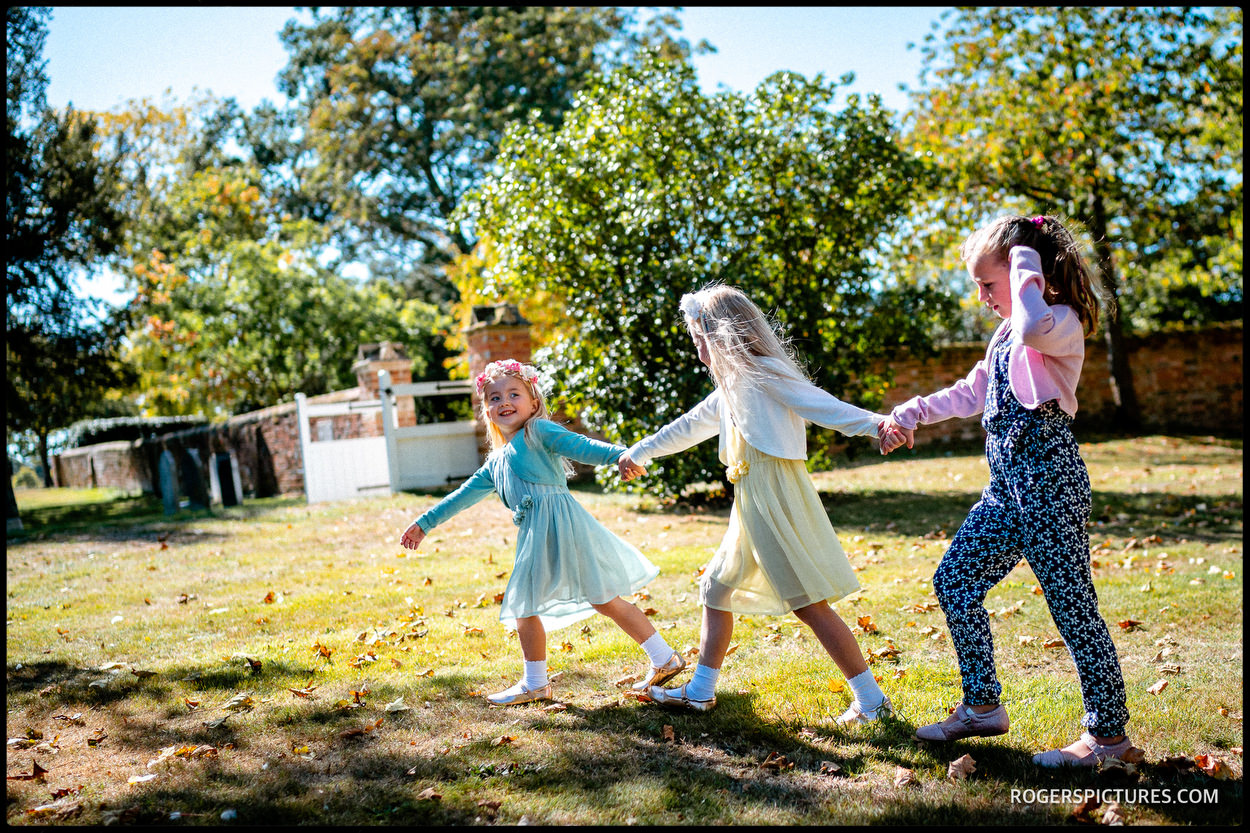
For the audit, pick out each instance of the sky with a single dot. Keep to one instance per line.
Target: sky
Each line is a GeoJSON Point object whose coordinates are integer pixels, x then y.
{"type": "Point", "coordinates": [100, 57]}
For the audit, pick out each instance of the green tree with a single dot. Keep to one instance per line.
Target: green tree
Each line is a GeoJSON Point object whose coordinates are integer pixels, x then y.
{"type": "Point", "coordinates": [400, 110]}
{"type": "Point", "coordinates": [61, 220]}
{"type": "Point", "coordinates": [649, 189]}
{"type": "Point", "coordinates": [1124, 120]}
{"type": "Point", "coordinates": [233, 310]}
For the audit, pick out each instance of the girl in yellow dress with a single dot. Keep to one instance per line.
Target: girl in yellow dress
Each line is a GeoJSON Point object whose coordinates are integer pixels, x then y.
{"type": "Point", "coordinates": [780, 553]}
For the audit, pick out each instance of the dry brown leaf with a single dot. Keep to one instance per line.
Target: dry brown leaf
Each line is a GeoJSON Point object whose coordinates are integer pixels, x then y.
{"type": "Point", "coordinates": [961, 768]}
{"type": "Point", "coordinates": [429, 794]}
{"type": "Point", "coordinates": [1158, 687]}
{"type": "Point", "coordinates": [269, 598]}
{"type": "Point", "coordinates": [36, 773]}
{"type": "Point", "coordinates": [303, 692]}
{"type": "Point", "coordinates": [776, 761]}
{"type": "Point", "coordinates": [567, 647]}
{"type": "Point", "coordinates": [829, 768]}
{"type": "Point", "coordinates": [503, 740]}
{"type": "Point", "coordinates": [904, 777]}
{"type": "Point", "coordinates": [1213, 766]}
{"type": "Point", "coordinates": [1129, 625]}
{"type": "Point", "coordinates": [1082, 812]}
{"type": "Point", "coordinates": [555, 707]}
{"type": "Point", "coordinates": [628, 679]}
{"type": "Point", "coordinates": [1053, 643]}
{"type": "Point", "coordinates": [836, 686]}
{"type": "Point", "coordinates": [866, 623]}
{"type": "Point", "coordinates": [668, 735]}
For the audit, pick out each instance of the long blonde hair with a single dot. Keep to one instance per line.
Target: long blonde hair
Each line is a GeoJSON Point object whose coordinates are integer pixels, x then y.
{"type": "Point", "coordinates": [528, 376]}
{"type": "Point", "coordinates": [1063, 266]}
{"type": "Point", "coordinates": [738, 334]}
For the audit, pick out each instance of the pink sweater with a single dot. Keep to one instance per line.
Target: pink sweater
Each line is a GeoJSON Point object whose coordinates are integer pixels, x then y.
{"type": "Point", "coordinates": [1044, 363]}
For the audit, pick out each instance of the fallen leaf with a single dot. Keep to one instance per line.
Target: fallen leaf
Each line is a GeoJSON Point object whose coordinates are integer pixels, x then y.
{"type": "Point", "coordinates": [1129, 625]}
{"type": "Point", "coordinates": [269, 598]}
{"type": "Point", "coordinates": [668, 734]}
{"type": "Point", "coordinates": [776, 761]}
{"type": "Point", "coordinates": [397, 706]}
{"type": "Point", "coordinates": [429, 794]}
{"type": "Point", "coordinates": [1113, 816]}
{"type": "Point", "coordinates": [1053, 643]}
{"type": "Point", "coordinates": [303, 692]}
{"type": "Point", "coordinates": [36, 773]}
{"type": "Point", "coordinates": [65, 808]}
{"type": "Point", "coordinates": [1158, 687]}
{"type": "Point", "coordinates": [1082, 812]}
{"type": "Point", "coordinates": [1213, 766]}
{"type": "Point", "coordinates": [502, 740]}
{"type": "Point", "coordinates": [867, 624]}
{"type": "Point", "coordinates": [140, 779]}
{"type": "Point", "coordinates": [628, 679]}
{"type": "Point", "coordinates": [141, 674]}
{"type": "Point", "coordinates": [836, 686]}
{"type": "Point", "coordinates": [241, 702]}
{"type": "Point", "coordinates": [555, 707]}
{"type": "Point", "coordinates": [829, 768]}
{"type": "Point", "coordinates": [961, 768]}
{"type": "Point", "coordinates": [904, 777]}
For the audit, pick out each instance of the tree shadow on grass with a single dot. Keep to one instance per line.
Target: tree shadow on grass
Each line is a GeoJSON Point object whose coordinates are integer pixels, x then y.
{"type": "Point", "coordinates": [1173, 517]}
{"type": "Point", "coordinates": [130, 518]}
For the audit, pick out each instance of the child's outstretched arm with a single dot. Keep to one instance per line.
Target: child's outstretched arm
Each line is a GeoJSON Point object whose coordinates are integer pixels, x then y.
{"type": "Point", "coordinates": [473, 490]}
{"type": "Point", "coordinates": [413, 536]}
{"type": "Point", "coordinates": [700, 423]}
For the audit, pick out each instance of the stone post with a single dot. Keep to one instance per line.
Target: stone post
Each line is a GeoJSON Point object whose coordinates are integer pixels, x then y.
{"type": "Point", "coordinates": [392, 357]}
{"type": "Point", "coordinates": [494, 333]}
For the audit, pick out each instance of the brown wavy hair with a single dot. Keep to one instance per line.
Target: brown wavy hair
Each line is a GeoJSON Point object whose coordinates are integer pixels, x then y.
{"type": "Point", "coordinates": [1064, 268]}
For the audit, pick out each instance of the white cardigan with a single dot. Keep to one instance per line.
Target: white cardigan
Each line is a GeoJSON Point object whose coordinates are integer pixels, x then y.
{"type": "Point", "coordinates": [772, 418]}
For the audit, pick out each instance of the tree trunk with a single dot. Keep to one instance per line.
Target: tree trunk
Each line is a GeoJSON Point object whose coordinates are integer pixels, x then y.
{"type": "Point", "coordinates": [43, 459]}
{"type": "Point", "coordinates": [1127, 413]}
{"type": "Point", "coordinates": [12, 517]}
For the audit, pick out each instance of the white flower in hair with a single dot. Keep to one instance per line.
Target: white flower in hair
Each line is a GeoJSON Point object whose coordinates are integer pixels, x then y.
{"type": "Point", "coordinates": [690, 307]}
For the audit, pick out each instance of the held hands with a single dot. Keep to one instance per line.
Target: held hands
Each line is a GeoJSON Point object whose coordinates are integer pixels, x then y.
{"type": "Point", "coordinates": [628, 468]}
{"type": "Point", "coordinates": [891, 435]}
{"type": "Point", "coordinates": [413, 536]}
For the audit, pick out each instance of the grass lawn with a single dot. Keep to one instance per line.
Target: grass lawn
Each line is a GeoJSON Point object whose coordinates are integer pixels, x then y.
{"type": "Point", "coordinates": [280, 663]}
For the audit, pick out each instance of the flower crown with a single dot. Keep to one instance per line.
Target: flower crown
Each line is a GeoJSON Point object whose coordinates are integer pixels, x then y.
{"type": "Point", "coordinates": [510, 367]}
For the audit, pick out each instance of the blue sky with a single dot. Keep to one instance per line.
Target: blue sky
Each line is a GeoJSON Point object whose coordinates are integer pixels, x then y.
{"type": "Point", "coordinates": [99, 57]}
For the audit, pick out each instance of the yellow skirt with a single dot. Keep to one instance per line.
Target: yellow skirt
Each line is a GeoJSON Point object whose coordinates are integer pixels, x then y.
{"type": "Point", "coordinates": [780, 552]}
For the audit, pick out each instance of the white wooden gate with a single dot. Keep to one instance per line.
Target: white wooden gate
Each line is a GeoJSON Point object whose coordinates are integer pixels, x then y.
{"type": "Point", "coordinates": [339, 469]}
{"type": "Point", "coordinates": [427, 456]}
{"type": "Point", "coordinates": [412, 457]}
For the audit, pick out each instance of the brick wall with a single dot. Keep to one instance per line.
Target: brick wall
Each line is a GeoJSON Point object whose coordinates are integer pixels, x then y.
{"type": "Point", "coordinates": [1188, 382]}
{"type": "Point", "coordinates": [1185, 381]}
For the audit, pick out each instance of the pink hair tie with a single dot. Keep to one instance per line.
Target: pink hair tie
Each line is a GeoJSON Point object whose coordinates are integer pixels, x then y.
{"type": "Point", "coordinates": [1037, 221]}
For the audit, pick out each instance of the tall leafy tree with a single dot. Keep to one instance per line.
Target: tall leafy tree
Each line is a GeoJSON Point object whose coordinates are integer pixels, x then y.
{"type": "Point", "coordinates": [1124, 120]}
{"type": "Point", "coordinates": [61, 220]}
{"type": "Point", "coordinates": [399, 111]}
{"type": "Point", "coordinates": [650, 188]}
{"type": "Point", "coordinates": [233, 310]}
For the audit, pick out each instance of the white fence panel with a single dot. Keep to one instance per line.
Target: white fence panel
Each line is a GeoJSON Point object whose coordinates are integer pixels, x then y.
{"type": "Point", "coordinates": [340, 469]}
{"type": "Point", "coordinates": [427, 456]}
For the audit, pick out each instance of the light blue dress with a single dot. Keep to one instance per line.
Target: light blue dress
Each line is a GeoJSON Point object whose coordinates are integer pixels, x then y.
{"type": "Point", "coordinates": [565, 559]}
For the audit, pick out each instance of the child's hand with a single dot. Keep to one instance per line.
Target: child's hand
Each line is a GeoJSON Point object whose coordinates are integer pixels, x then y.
{"type": "Point", "coordinates": [891, 435]}
{"type": "Point", "coordinates": [628, 468]}
{"type": "Point", "coordinates": [413, 536]}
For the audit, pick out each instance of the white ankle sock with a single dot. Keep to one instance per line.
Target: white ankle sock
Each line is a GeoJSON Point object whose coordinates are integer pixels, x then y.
{"type": "Point", "coordinates": [657, 649]}
{"type": "Point", "coordinates": [866, 691]}
{"type": "Point", "coordinates": [702, 685]}
{"type": "Point", "coordinates": [535, 674]}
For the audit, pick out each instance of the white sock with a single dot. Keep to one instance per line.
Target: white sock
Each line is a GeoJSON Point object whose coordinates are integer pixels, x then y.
{"type": "Point", "coordinates": [535, 674]}
{"type": "Point", "coordinates": [657, 649]}
{"type": "Point", "coordinates": [867, 693]}
{"type": "Point", "coordinates": [702, 685]}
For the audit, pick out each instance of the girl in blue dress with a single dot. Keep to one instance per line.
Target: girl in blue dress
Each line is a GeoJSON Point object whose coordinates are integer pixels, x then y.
{"type": "Point", "coordinates": [568, 565]}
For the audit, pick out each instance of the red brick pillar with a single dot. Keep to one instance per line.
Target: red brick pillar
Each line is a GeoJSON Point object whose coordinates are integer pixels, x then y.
{"type": "Point", "coordinates": [392, 357]}
{"type": "Point", "coordinates": [495, 333]}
